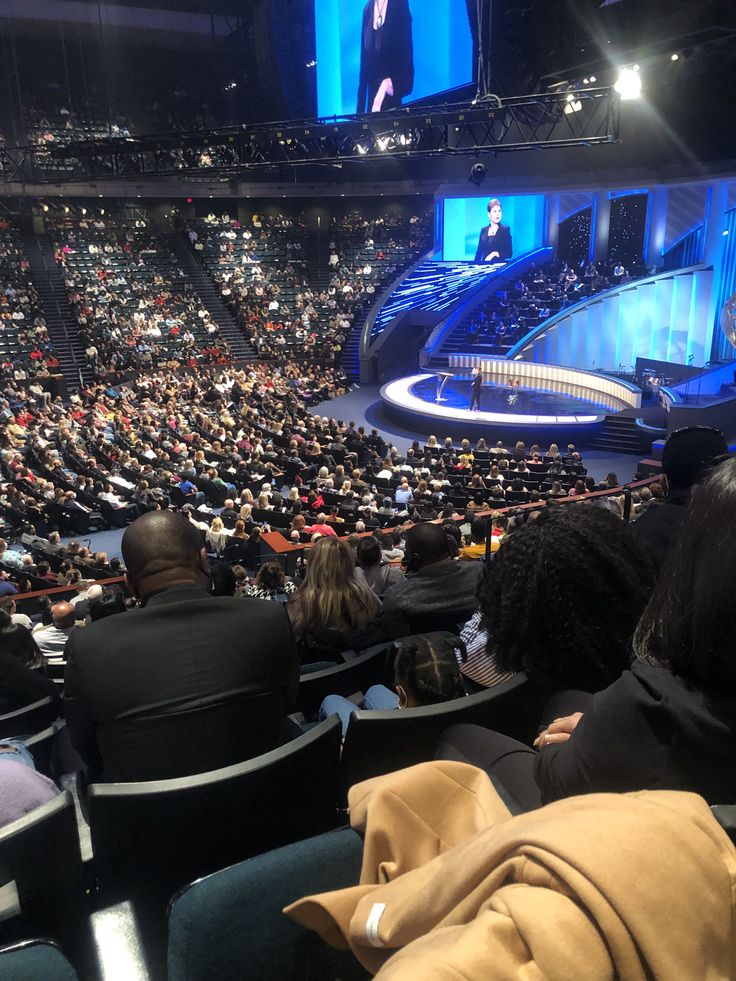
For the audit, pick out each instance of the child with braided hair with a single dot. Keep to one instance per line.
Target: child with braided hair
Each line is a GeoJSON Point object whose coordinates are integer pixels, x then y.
{"type": "Point", "coordinates": [425, 673]}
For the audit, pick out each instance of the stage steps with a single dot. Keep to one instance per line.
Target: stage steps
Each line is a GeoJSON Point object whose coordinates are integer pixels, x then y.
{"type": "Point", "coordinates": [60, 320]}
{"type": "Point", "coordinates": [620, 434]}
{"type": "Point", "coordinates": [318, 257]}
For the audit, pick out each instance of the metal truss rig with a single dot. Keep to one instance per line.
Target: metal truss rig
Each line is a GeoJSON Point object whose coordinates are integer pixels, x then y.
{"type": "Point", "coordinates": [491, 125]}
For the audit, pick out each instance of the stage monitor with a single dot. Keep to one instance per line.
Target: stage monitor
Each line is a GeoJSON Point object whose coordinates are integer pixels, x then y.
{"type": "Point", "coordinates": [518, 220]}
{"type": "Point", "coordinates": [376, 56]}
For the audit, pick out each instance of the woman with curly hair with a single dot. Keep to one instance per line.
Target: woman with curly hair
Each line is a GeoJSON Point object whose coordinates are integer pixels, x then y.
{"type": "Point", "coordinates": [562, 598]}
{"type": "Point", "coordinates": [669, 722]}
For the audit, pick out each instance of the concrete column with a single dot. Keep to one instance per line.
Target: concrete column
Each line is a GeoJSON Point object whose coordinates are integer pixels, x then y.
{"type": "Point", "coordinates": [601, 226]}
{"type": "Point", "coordinates": [656, 225]}
{"type": "Point", "coordinates": [553, 220]}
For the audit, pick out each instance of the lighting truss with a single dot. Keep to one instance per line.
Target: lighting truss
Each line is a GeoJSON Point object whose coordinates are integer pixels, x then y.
{"type": "Point", "coordinates": [490, 124]}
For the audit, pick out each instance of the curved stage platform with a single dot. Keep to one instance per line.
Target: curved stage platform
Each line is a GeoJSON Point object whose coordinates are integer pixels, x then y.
{"type": "Point", "coordinates": [552, 403]}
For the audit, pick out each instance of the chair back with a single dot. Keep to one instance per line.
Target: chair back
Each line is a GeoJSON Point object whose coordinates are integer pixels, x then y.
{"type": "Point", "coordinates": [229, 925]}
{"type": "Point", "coordinates": [40, 854]}
{"type": "Point", "coordinates": [35, 959]}
{"type": "Point", "coordinates": [151, 838]}
{"type": "Point", "coordinates": [381, 742]}
{"type": "Point", "coordinates": [41, 748]}
{"type": "Point", "coordinates": [369, 668]}
{"type": "Point", "coordinates": [29, 719]}
{"type": "Point", "coordinates": [171, 744]}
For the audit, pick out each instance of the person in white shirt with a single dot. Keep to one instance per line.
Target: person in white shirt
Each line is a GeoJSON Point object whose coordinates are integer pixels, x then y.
{"type": "Point", "coordinates": [52, 639]}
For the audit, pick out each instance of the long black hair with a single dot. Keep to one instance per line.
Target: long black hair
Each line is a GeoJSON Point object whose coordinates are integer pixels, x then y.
{"type": "Point", "coordinates": [562, 598]}
{"type": "Point", "coordinates": [689, 625]}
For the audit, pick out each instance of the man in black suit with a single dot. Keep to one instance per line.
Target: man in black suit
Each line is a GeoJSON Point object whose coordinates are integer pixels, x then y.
{"type": "Point", "coordinates": [475, 390]}
{"type": "Point", "coordinates": [189, 682]}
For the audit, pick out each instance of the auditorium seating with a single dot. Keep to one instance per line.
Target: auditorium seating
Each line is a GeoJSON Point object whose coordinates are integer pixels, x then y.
{"type": "Point", "coordinates": [150, 839]}
{"type": "Point", "coordinates": [371, 667]}
{"type": "Point", "coordinates": [25, 347]}
{"type": "Point", "coordinates": [380, 742]}
{"type": "Point", "coordinates": [134, 305]}
{"type": "Point", "coordinates": [33, 959]}
{"type": "Point", "coordinates": [230, 923]}
{"type": "Point", "coordinates": [28, 720]}
{"type": "Point", "coordinates": [40, 854]}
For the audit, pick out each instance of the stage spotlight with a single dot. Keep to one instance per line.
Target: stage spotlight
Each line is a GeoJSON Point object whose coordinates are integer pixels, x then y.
{"type": "Point", "coordinates": [45, 207]}
{"type": "Point", "coordinates": [593, 79]}
{"type": "Point", "coordinates": [66, 210]}
{"type": "Point", "coordinates": [674, 56]}
{"type": "Point", "coordinates": [84, 211]}
{"type": "Point", "coordinates": [478, 173]}
{"type": "Point", "coordinates": [628, 83]}
{"type": "Point", "coordinates": [572, 105]}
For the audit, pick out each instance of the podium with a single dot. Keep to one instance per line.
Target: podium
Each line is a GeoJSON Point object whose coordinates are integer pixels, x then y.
{"type": "Point", "coordinates": [442, 379]}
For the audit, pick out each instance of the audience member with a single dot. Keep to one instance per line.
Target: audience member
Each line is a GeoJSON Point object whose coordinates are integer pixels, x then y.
{"type": "Point", "coordinates": [139, 689]}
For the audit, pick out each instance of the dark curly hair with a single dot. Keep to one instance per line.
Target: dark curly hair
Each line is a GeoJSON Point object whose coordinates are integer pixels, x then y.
{"type": "Point", "coordinates": [563, 596]}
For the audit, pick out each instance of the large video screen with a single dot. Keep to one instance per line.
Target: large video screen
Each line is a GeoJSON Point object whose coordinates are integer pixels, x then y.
{"type": "Point", "coordinates": [383, 54]}
{"type": "Point", "coordinates": [492, 228]}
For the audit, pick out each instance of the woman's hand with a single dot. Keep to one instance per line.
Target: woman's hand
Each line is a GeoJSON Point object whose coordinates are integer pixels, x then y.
{"type": "Point", "coordinates": [492, 255]}
{"type": "Point", "coordinates": [385, 88]}
{"type": "Point", "coordinates": [558, 731]}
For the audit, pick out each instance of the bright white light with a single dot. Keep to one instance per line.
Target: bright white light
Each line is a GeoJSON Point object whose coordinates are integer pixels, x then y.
{"type": "Point", "coordinates": [593, 79]}
{"type": "Point", "coordinates": [674, 56]}
{"type": "Point", "coordinates": [724, 232]}
{"type": "Point", "coordinates": [360, 148]}
{"type": "Point", "coordinates": [382, 144]}
{"type": "Point", "coordinates": [573, 106]}
{"type": "Point", "coordinates": [628, 83]}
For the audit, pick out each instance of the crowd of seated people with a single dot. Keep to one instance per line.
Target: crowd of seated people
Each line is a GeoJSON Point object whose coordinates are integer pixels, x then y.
{"type": "Point", "coordinates": [134, 305]}
{"type": "Point", "coordinates": [536, 295]}
{"type": "Point", "coordinates": [26, 351]}
{"type": "Point", "coordinates": [261, 269]}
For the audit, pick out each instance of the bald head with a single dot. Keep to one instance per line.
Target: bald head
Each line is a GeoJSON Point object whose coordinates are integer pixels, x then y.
{"type": "Point", "coordinates": [428, 543]}
{"type": "Point", "coordinates": [161, 545]}
{"type": "Point", "coordinates": [63, 615]}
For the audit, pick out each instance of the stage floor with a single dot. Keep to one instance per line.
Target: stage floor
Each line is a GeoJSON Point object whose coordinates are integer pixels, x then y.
{"type": "Point", "coordinates": [524, 401]}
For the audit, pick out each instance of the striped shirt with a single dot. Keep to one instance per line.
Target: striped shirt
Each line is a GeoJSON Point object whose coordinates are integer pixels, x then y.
{"type": "Point", "coordinates": [479, 666]}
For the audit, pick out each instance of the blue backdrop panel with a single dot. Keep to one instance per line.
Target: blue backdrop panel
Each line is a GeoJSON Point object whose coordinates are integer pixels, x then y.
{"type": "Point", "coordinates": [443, 51]}
{"type": "Point", "coordinates": [464, 218]}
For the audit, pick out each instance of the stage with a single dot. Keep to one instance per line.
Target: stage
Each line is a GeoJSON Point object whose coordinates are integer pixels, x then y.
{"type": "Point", "coordinates": [545, 403]}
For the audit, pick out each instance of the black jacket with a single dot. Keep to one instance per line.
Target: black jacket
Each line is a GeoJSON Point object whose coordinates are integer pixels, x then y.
{"type": "Point", "coordinates": [170, 690]}
{"type": "Point", "coordinates": [649, 730]}
{"type": "Point", "coordinates": [500, 242]}
{"type": "Point", "coordinates": [386, 53]}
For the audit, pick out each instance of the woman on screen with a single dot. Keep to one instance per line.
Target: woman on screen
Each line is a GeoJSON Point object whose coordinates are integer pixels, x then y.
{"type": "Point", "coordinates": [386, 55]}
{"type": "Point", "coordinates": [494, 244]}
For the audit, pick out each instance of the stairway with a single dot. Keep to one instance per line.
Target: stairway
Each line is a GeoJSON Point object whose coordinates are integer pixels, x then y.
{"type": "Point", "coordinates": [318, 258]}
{"type": "Point", "coordinates": [619, 434]}
{"type": "Point", "coordinates": [350, 355]}
{"type": "Point", "coordinates": [209, 296]}
{"type": "Point", "coordinates": [60, 320]}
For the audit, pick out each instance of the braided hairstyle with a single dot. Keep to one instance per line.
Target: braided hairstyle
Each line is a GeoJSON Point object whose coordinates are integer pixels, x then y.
{"type": "Point", "coordinates": [426, 667]}
{"type": "Point", "coordinates": [563, 597]}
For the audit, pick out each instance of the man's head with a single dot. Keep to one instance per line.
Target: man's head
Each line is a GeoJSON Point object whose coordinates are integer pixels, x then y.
{"type": "Point", "coordinates": [63, 615]}
{"type": "Point", "coordinates": [162, 548]}
{"type": "Point", "coordinates": [478, 530]}
{"type": "Point", "coordinates": [689, 454]}
{"type": "Point", "coordinates": [7, 605]}
{"type": "Point", "coordinates": [425, 544]}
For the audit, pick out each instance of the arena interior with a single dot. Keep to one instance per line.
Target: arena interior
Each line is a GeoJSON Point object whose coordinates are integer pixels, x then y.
{"type": "Point", "coordinates": [366, 490]}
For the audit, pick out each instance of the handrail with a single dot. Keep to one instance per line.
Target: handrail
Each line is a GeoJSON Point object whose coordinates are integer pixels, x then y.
{"type": "Point", "coordinates": [281, 546]}
{"type": "Point", "coordinates": [64, 589]}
